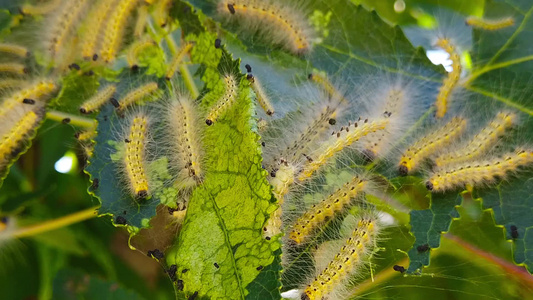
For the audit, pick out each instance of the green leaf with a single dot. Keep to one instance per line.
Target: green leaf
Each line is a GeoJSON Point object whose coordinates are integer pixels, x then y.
{"type": "Point", "coordinates": [221, 236]}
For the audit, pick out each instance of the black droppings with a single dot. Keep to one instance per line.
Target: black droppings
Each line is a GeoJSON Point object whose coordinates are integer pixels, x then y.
{"type": "Point", "coordinates": [184, 271]}
{"type": "Point", "coordinates": [248, 68]}
{"type": "Point", "coordinates": [65, 121]}
{"type": "Point", "coordinates": [398, 269]}
{"type": "Point", "coordinates": [179, 285]}
{"type": "Point", "coordinates": [171, 271]}
{"type": "Point", "coordinates": [114, 102]}
{"type": "Point", "coordinates": [332, 121]}
{"type": "Point", "coordinates": [216, 265]}
{"type": "Point", "coordinates": [263, 144]}
{"type": "Point", "coordinates": [514, 232]}
{"type": "Point", "coordinates": [208, 122]}
{"type": "Point", "coordinates": [193, 296]}
{"type": "Point", "coordinates": [96, 183]}
{"type": "Point", "coordinates": [218, 43]}
{"type": "Point", "coordinates": [89, 73]}
{"type": "Point", "coordinates": [259, 268]}
{"type": "Point", "coordinates": [28, 101]}
{"type": "Point", "coordinates": [120, 220]}
{"type": "Point", "coordinates": [74, 66]}
{"type": "Point", "coordinates": [95, 57]}
{"type": "Point", "coordinates": [156, 253]}
{"type": "Point", "coordinates": [423, 248]}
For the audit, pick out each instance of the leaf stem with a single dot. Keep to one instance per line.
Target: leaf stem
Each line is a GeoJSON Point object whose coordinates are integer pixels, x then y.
{"type": "Point", "coordinates": [56, 223]}
{"type": "Point", "coordinates": [59, 116]}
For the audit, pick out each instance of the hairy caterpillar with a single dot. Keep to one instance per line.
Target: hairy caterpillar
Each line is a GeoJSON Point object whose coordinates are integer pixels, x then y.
{"type": "Point", "coordinates": [41, 9]}
{"type": "Point", "coordinates": [114, 30]}
{"type": "Point", "coordinates": [488, 24]}
{"type": "Point", "coordinates": [346, 262]}
{"type": "Point", "coordinates": [177, 60]}
{"type": "Point", "coordinates": [13, 68]}
{"type": "Point", "coordinates": [451, 80]}
{"type": "Point", "coordinates": [18, 131]}
{"type": "Point", "coordinates": [429, 144]}
{"type": "Point", "coordinates": [340, 140]}
{"type": "Point", "coordinates": [134, 51]}
{"type": "Point", "coordinates": [224, 103]}
{"type": "Point", "coordinates": [327, 86]}
{"type": "Point", "coordinates": [63, 24]}
{"type": "Point", "coordinates": [161, 12]}
{"type": "Point", "coordinates": [85, 135]}
{"type": "Point", "coordinates": [14, 49]}
{"type": "Point", "coordinates": [481, 142]}
{"type": "Point", "coordinates": [306, 140]}
{"type": "Point", "coordinates": [94, 26]}
{"type": "Point", "coordinates": [98, 100]}
{"type": "Point", "coordinates": [476, 173]}
{"type": "Point", "coordinates": [138, 94]}
{"type": "Point", "coordinates": [281, 184]}
{"type": "Point", "coordinates": [376, 142]}
{"type": "Point", "coordinates": [134, 159]}
{"type": "Point", "coordinates": [140, 24]}
{"type": "Point", "coordinates": [260, 95]}
{"type": "Point", "coordinates": [33, 92]}
{"type": "Point", "coordinates": [187, 151]}
{"type": "Point", "coordinates": [279, 21]}
{"type": "Point", "coordinates": [327, 208]}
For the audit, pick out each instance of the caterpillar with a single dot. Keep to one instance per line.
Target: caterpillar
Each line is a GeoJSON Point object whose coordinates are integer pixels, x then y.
{"type": "Point", "coordinates": [94, 27]}
{"type": "Point", "coordinates": [476, 173]}
{"type": "Point", "coordinates": [22, 127]}
{"type": "Point", "coordinates": [14, 68]}
{"type": "Point", "coordinates": [135, 49]}
{"type": "Point", "coordinates": [161, 12]}
{"type": "Point", "coordinates": [43, 9]}
{"type": "Point", "coordinates": [114, 30]}
{"type": "Point", "coordinates": [187, 151]}
{"type": "Point", "coordinates": [64, 22]}
{"type": "Point", "coordinates": [138, 94]}
{"type": "Point", "coordinates": [450, 82]}
{"type": "Point", "coordinates": [340, 140]}
{"type": "Point", "coordinates": [177, 60]}
{"type": "Point", "coordinates": [430, 143]}
{"type": "Point", "coordinates": [260, 95]}
{"type": "Point", "coordinates": [14, 49]}
{"type": "Point", "coordinates": [134, 159]}
{"type": "Point", "coordinates": [277, 20]}
{"type": "Point", "coordinates": [481, 142]}
{"type": "Point", "coordinates": [327, 208]}
{"type": "Point", "coordinates": [327, 86]}
{"type": "Point", "coordinates": [281, 181]}
{"type": "Point", "coordinates": [488, 24]}
{"type": "Point", "coordinates": [32, 92]}
{"type": "Point", "coordinates": [12, 83]}
{"type": "Point", "coordinates": [224, 103]}
{"type": "Point", "coordinates": [140, 24]}
{"type": "Point", "coordinates": [98, 100]}
{"type": "Point", "coordinates": [376, 142]}
{"type": "Point", "coordinates": [296, 150]}
{"type": "Point", "coordinates": [85, 135]}
{"type": "Point", "coordinates": [346, 262]}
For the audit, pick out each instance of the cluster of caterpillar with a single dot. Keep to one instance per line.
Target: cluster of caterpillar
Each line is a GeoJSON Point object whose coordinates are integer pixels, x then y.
{"type": "Point", "coordinates": [21, 113]}
{"type": "Point", "coordinates": [94, 31]}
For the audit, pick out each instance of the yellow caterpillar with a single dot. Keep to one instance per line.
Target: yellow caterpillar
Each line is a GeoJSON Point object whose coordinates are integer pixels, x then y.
{"type": "Point", "coordinates": [134, 159]}
{"type": "Point", "coordinates": [260, 95]}
{"type": "Point", "coordinates": [277, 20]}
{"type": "Point", "coordinates": [41, 9]}
{"type": "Point", "coordinates": [476, 173]}
{"type": "Point", "coordinates": [98, 100]}
{"type": "Point", "coordinates": [14, 49]}
{"type": "Point", "coordinates": [32, 92]}
{"type": "Point", "coordinates": [138, 94]}
{"type": "Point", "coordinates": [14, 136]}
{"type": "Point", "coordinates": [346, 262]}
{"type": "Point", "coordinates": [135, 49]}
{"type": "Point", "coordinates": [327, 208]}
{"type": "Point", "coordinates": [94, 27]}
{"type": "Point", "coordinates": [115, 28]}
{"type": "Point", "coordinates": [177, 60]}
{"type": "Point", "coordinates": [227, 100]}
{"type": "Point", "coordinates": [429, 144]}
{"type": "Point", "coordinates": [490, 25]}
{"type": "Point", "coordinates": [340, 140]}
{"type": "Point", "coordinates": [281, 184]}
{"type": "Point", "coordinates": [13, 68]}
{"type": "Point", "coordinates": [450, 82]}
{"type": "Point", "coordinates": [481, 142]}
